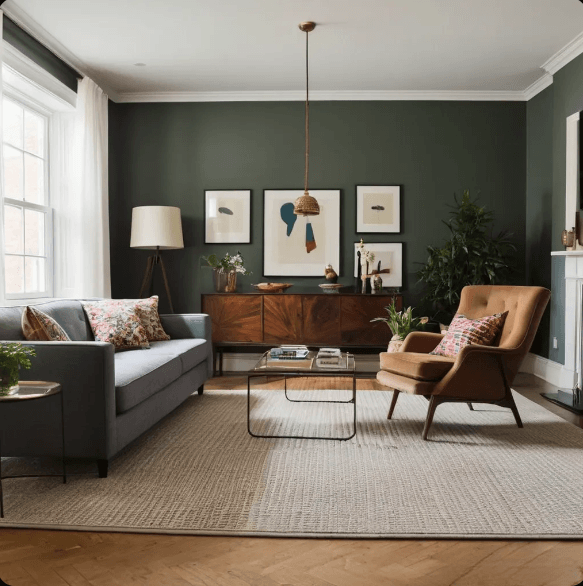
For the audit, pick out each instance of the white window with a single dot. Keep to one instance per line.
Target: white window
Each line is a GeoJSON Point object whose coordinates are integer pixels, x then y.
{"type": "Point", "coordinates": [27, 212]}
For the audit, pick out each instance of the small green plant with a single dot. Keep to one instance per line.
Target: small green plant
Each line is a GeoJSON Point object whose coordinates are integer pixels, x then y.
{"type": "Point", "coordinates": [472, 256]}
{"type": "Point", "coordinates": [13, 356]}
{"type": "Point", "coordinates": [226, 264]}
{"type": "Point", "coordinates": [401, 323]}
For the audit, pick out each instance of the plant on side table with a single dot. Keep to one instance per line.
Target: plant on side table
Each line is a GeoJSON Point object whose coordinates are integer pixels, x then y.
{"type": "Point", "coordinates": [472, 256]}
{"type": "Point", "coordinates": [225, 271]}
{"type": "Point", "coordinates": [13, 356]}
{"type": "Point", "coordinates": [401, 323]}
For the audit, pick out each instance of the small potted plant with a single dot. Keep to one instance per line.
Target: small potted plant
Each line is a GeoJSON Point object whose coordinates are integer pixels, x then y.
{"type": "Point", "coordinates": [401, 323]}
{"type": "Point", "coordinates": [225, 270]}
{"type": "Point", "coordinates": [13, 356]}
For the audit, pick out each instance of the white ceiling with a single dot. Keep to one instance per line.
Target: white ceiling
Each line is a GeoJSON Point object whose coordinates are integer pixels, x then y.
{"type": "Point", "coordinates": [255, 45]}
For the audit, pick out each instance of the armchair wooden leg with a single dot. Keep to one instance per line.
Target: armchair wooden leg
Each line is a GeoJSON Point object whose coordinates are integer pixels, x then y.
{"type": "Point", "coordinates": [433, 403]}
{"type": "Point", "coordinates": [393, 403]}
{"type": "Point", "coordinates": [509, 402]}
{"type": "Point", "coordinates": [471, 406]}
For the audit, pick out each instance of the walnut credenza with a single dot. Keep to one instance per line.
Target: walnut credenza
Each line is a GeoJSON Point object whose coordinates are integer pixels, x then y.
{"type": "Point", "coordinates": [258, 319]}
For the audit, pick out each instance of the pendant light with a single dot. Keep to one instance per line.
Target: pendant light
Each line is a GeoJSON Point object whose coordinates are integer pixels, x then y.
{"type": "Point", "coordinates": [306, 205]}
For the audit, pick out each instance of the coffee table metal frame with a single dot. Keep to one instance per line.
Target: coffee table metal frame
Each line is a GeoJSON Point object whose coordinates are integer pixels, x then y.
{"type": "Point", "coordinates": [46, 389]}
{"type": "Point", "coordinates": [303, 373]}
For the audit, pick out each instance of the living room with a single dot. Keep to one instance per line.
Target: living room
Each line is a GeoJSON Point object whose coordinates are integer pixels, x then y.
{"type": "Point", "coordinates": [170, 136]}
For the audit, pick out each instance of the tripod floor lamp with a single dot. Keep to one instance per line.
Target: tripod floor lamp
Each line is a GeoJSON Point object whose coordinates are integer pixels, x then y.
{"type": "Point", "coordinates": [156, 228]}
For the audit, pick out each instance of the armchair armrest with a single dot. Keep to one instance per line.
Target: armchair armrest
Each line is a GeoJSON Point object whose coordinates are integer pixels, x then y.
{"type": "Point", "coordinates": [187, 325]}
{"type": "Point", "coordinates": [422, 342]}
{"type": "Point", "coordinates": [86, 372]}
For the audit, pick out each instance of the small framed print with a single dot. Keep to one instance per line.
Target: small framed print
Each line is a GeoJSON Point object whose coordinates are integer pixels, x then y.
{"type": "Point", "coordinates": [388, 256]}
{"type": "Point", "coordinates": [378, 208]}
{"type": "Point", "coordinates": [227, 216]}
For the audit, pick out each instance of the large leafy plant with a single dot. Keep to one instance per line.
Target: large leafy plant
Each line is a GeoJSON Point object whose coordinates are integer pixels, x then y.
{"type": "Point", "coordinates": [471, 256]}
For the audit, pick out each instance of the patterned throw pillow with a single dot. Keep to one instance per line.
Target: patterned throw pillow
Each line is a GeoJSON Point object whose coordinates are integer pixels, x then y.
{"type": "Point", "coordinates": [117, 322]}
{"type": "Point", "coordinates": [148, 314]}
{"type": "Point", "coordinates": [38, 326]}
{"type": "Point", "coordinates": [464, 331]}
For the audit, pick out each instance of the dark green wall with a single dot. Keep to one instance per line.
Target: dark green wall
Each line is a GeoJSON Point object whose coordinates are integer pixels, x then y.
{"type": "Point", "coordinates": [539, 205]}
{"type": "Point", "coordinates": [169, 154]}
{"type": "Point", "coordinates": [38, 53]}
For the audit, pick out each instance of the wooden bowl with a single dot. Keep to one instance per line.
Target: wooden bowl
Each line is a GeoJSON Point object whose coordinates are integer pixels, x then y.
{"type": "Point", "coordinates": [272, 287]}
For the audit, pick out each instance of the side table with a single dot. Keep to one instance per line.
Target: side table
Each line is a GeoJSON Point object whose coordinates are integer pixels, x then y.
{"type": "Point", "coordinates": [34, 391]}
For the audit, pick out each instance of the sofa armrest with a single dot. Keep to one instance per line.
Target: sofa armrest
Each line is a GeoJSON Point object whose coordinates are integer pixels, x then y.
{"type": "Point", "coordinates": [86, 373]}
{"type": "Point", "coordinates": [422, 342]}
{"type": "Point", "coordinates": [191, 325]}
{"type": "Point", "coordinates": [187, 325]}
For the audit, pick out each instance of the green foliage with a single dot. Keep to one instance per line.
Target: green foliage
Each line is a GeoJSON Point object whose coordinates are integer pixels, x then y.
{"type": "Point", "coordinates": [226, 264]}
{"type": "Point", "coordinates": [401, 323]}
{"type": "Point", "coordinates": [13, 355]}
{"type": "Point", "coordinates": [472, 256]}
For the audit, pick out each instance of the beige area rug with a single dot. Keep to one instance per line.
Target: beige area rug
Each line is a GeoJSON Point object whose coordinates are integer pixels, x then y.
{"type": "Point", "coordinates": [199, 472]}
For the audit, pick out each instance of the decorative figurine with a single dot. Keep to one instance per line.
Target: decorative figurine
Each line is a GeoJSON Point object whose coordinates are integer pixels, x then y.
{"type": "Point", "coordinates": [330, 274]}
{"type": "Point", "coordinates": [376, 283]}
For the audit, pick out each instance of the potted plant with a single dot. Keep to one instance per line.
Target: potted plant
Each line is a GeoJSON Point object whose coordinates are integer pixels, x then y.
{"type": "Point", "coordinates": [471, 256]}
{"type": "Point", "coordinates": [401, 323]}
{"type": "Point", "coordinates": [225, 271]}
{"type": "Point", "coordinates": [13, 355]}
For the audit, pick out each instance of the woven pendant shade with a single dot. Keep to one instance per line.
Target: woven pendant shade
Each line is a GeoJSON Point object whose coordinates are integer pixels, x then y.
{"type": "Point", "coordinates": [306, 205]}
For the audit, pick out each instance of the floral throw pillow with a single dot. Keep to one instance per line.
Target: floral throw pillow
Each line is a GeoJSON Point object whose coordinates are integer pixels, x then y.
{"type": "Point", "coordinates": [148, 314]}
{"type": "Point", "coordinates": [117, 322]}
{"type": "Point", "coordinates": [464, 331]}
{"type": "Point", "coordinates": [38, 326]}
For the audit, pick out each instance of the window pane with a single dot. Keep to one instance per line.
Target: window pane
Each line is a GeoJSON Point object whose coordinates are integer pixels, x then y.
{"type": "Point", "coordinates": [34, 133]}
{"type": "Point", "coordinates": [34, 180]}
{"type": "Point", "coordinates": [34, 232]}
{"type": "Point", "coordinates": [34, 271]}
{"type": "Point", "coordinates": [14, 274]}
{"type": "Point", "coordinates": [13, 173]}
{"type": "Point", "coordinates": [13, 123]}
{"type": "Point", "coordinates": [13, 230]}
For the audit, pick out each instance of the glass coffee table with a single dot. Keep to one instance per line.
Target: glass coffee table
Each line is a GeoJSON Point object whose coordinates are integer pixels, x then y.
{"type": "Point", "coordinates": [298, 369]}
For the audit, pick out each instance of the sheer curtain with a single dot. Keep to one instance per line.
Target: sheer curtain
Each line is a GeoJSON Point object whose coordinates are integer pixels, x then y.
{"type": "Point", "coordinates": [80, 184]}
{"type": "Point", "coordinates": [2, 276]}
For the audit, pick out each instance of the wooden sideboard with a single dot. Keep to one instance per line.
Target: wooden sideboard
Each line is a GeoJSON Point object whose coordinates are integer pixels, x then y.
{"type": "Point", "coordinates": [310, 318]}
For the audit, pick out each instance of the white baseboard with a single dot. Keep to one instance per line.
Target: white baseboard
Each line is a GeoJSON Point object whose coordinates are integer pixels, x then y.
{"type": "Point", "coordinates": [548, 370]}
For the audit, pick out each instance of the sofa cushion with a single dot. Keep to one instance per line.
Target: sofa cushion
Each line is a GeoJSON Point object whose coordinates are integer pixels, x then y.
{"type": "Point", "coordinates": [69, 314]}
{"type": "Point", "coordinates": [191, 351]}
{"type": "Point", "coordinates": [423, 367]}
{"type": "Point", "coordinates": [11, 323]}
{"type": "Point", "coordinates": [139, 374]}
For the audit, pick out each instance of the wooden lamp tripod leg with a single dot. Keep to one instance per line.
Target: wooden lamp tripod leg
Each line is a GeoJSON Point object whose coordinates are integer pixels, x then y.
{"type": "Point", "coordinates": [147, 275]}
{"type": "Point", "coordinates": [166, 286]}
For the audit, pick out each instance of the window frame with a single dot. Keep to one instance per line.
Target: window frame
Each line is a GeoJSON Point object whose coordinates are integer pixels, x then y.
{"type": "Point", "coordinates": [27, 103]}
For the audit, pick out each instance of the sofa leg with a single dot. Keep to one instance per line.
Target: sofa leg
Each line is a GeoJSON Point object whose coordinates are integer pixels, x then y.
{"type": "Point", "coordinates": [433, 403]}
{"type": "Point", "coordinates": [200, 389]}
{"type": "Point", "coordinates": [393, 403]}
{"type": "Point", "coordinates": [102, 466]}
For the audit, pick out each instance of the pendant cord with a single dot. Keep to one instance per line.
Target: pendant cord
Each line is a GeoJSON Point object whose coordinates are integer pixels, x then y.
{"type": "Point", "coordinates": [307, 120]}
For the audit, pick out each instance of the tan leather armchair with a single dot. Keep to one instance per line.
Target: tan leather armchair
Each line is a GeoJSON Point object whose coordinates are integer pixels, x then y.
{"type": "Point", "coordinates": [478, 374]}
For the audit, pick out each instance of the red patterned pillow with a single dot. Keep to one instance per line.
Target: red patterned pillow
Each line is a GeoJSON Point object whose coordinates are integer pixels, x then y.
{"type": "Point", "coordinates": [37, 325]}
{"type": "Point", "coordinates": [464, 331]}
{"type": "Point", "coordinates": [148, 314]}
{"type": "Point", "coordinates": [117, 322]}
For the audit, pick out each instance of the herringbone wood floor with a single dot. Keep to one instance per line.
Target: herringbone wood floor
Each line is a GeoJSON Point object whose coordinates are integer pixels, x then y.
{"type": "Point", "coordinates": [61, 558]}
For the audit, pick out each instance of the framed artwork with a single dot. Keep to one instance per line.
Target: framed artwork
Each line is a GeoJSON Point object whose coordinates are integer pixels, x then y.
{"type": "Point", "coordinates": [298, 246]}
{"type": "Point", "coordinates": [378, 208]}
{"type": "Point", "coordinates": [227, 216]}
{"type": "Point", "coordinates": [390, 255]}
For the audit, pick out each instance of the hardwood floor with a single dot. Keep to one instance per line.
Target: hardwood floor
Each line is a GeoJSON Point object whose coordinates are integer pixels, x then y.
{"type": "Point", "coordinates": [64, 558]}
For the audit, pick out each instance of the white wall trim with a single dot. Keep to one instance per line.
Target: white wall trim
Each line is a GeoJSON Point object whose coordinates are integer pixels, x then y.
{"type": "Point", "coordinates": [538, 86]}
{"type": "Point", "coordinates": [28, 24]}
{"type": "Point", "coordinates": [340, 95]}
{"type": "Point", "coordinates": [563, 56]}
{"type": "Point", "coordinates": [553, 372]}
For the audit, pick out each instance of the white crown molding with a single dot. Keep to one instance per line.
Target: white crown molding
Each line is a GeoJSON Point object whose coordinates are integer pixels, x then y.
{"type": "Point", "coordinates": [36, 77]}
{"type": "Point", "coordinates": [565, 55]}
{"type": "Point", "coordinates": [538, 86]}
{"type": "Point", "coordinates": [340, 95]}
{"type": "Point", "coordinates": [28, 24]}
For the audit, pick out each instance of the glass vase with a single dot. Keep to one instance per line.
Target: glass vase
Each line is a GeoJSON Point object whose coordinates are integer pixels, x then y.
{"type": "Point", "coordinates": [225, 281]}
{"type": "Point", "coordinates": [6, 376]}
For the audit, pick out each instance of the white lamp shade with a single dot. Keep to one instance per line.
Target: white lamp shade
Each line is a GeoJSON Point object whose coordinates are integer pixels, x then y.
{"type": "Point", "coordinates": [156, 226]}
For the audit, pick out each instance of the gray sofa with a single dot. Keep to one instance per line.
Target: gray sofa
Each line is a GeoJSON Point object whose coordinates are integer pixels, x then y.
{"type": "Point", "coordinates": [110, 398]}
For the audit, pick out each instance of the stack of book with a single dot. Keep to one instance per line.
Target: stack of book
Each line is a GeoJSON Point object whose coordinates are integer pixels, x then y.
{"type": "Point", "coordinates": [287, 352]}
{"type": "Point", "coordinates": [329, 358]}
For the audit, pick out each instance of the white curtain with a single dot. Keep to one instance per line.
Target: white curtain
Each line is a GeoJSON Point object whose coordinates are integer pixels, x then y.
{"type": "Point", "coordinates": [80, 184]}
{"type": "Point", "coordinates": [1, 169]}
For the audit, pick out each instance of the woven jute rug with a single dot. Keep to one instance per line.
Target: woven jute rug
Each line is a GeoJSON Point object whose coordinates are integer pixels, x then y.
{"type": "Point", "coordinates": [199, 472]}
